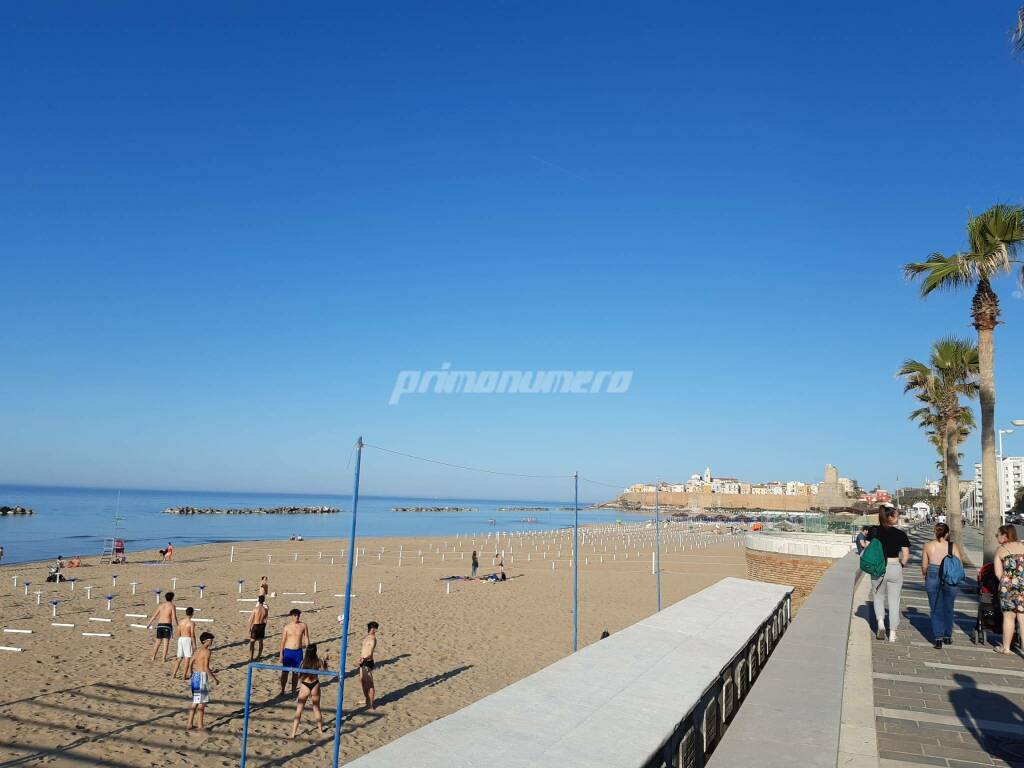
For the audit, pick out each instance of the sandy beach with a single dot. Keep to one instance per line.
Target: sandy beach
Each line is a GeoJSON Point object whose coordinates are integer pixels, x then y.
{"type": "Point", "coordinates": [74, 700]}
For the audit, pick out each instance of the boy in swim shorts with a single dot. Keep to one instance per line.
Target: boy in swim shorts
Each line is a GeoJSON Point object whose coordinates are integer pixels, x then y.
{"type": "Point", "coordinates": [294, 639]}
{"type": "Point", "coordinates": [258, 627]}
{"type": "Point", "coordinates": [186, 643]}
{"type": "Point", "coordinates": [200, 683]}
{"type": "Point", "coordinates": [165, 618]}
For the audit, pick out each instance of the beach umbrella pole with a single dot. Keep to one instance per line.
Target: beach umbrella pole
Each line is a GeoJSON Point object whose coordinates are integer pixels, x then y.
{"type": "Point", "coordinates": [657, 541]}
{"type": "Point", "coordinates": [348, 605]}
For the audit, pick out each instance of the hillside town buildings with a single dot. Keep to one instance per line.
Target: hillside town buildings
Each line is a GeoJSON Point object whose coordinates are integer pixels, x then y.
{"type": "Point", "coordinates": [708, 483]}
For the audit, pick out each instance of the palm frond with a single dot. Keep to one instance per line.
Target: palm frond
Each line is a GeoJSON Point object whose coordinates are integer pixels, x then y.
{"type": "Point", "coordinates": [940, 272]}
{"type": "Point", "coordinates": [1017, 37]}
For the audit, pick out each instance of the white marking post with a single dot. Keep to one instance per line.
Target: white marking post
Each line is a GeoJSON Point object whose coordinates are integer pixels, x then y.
{"type": "Point", "coordinates": [59, 624]}
{"type": "Point", "coordinates": [10, 648]}
{"type": "Point", "coordinates": [207, 621]}
{"type": "Point", "coordinates": [17, 631]}
{"type": "Point", "coordinates": [96, 618]}
{"type": "Point", "coordinates": [138, 626]}
{"type": "Point", "coordinates": [302, 602]}
{"type": "Point", "coordinates": [135, 615]}
{"type": "Point", "coordinates": [96, 634]}
{"type": "Point", "coordinates": [246, 600]}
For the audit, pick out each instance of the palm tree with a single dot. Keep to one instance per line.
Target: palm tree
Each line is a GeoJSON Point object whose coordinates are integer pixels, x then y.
{"type": "Point", "coordinates": [995, 239]}
{"type": "Point", "coordinates": [1017, 38]}
{"type": "Point", "coordinates": [951, 373]}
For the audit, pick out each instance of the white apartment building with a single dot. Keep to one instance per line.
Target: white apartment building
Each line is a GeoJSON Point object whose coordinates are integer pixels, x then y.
{"type": "Point", "coordinates": [1011, 477]}
{"type": "Point", "coordinates": [847, 485]}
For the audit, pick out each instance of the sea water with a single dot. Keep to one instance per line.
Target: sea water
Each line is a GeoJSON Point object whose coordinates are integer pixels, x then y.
{"type": "Point", "coordinates": [75, 521]}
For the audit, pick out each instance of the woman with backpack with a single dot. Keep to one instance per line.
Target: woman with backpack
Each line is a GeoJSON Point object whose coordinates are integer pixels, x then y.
{"type": "Point", "coordinates": [1009, 566]}
{"type": "Point", "coordinates": [886, 586]}
{"type": "Point", "coordinates": [941, 586]}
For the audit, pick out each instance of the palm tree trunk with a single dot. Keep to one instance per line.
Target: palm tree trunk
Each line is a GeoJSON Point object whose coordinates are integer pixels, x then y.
{"type": "Point", "coordinates": [989, 472]}
{"type": "Point", "coordinates": [952, 465]}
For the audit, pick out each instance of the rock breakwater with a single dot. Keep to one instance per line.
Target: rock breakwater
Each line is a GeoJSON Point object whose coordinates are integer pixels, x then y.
{"type": "Point", "coordinates": [252, 511]}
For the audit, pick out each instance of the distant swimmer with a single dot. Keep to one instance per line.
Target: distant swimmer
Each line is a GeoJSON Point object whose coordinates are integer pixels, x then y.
{"type": "Point", "coordinates": [294, 638]}
{"type": "Point", "coordinates": [186, 643]}
{"type": "Point", "coordinates": [165, 619]}
{"type": "Point", "coordinates": [258, 626]}
{"type": "Point", "coordinates": [366, 666]}
{"type": "Point", "coordinates": [200, 683]}
{"type": "Point", "coordinates": [310, 688]}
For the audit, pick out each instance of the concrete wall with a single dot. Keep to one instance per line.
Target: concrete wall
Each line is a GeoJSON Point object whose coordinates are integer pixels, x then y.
{"type": "Point", "coordinates": [796, 560]}
{"type": "Point", "coordinates": [725, 500]}
{"type": "Point", "coordinates": [660, 692]}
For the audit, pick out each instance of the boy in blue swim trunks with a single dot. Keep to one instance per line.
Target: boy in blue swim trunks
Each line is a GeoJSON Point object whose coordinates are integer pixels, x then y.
{"type": "Point", "coordinates": [200, 683]}
{"type": "Point", "coordinates": [294, 639]}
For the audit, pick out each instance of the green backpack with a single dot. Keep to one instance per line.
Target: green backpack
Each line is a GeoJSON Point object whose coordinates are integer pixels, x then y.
{"type": "Point", "coordinates": [872, 560]}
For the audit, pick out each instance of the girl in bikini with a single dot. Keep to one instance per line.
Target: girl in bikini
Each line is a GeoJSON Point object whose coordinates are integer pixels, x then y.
{"type": "Point", "coordinates": [309, 688]}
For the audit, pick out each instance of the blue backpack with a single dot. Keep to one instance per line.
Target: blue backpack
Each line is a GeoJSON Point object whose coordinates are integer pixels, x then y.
{"type": "Point", "coordinates": [951, 571]}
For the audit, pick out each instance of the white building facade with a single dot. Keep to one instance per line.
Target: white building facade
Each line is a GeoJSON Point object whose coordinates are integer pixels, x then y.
{"type": "Point", "coordinates": [1011, 479]}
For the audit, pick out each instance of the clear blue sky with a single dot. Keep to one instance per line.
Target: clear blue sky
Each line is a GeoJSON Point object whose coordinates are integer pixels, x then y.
{"type": "Point", "coordinates": [224, 233]}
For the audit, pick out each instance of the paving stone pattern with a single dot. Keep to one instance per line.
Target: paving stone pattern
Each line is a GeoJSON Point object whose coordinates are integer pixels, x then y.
{"type": "Point", "coordinates": [959, 707]}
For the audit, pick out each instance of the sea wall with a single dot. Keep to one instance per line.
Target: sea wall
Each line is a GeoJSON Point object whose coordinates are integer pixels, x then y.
{"type": "Point", "coordinates": [725, 501]}
{"type": "Point", "coordinates": [794, 560]}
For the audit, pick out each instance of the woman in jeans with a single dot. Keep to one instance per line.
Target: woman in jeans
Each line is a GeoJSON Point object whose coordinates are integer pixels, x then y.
{"type": "Point", "coordinates": [940, 596]}
{"type": "Point", "coordinates": [886, 589]}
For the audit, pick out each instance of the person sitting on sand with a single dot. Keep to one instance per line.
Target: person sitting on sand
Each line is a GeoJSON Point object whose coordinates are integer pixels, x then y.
{"type": "Point", "coordinates": [200, 683]}
{"type": "Point", "coordinates": [310, 688]}
{"type": "Point", "coordinates": [186, 644]}
{"type": "Point", "coordinates": [258, 625]}
{"type": "Point", "coordinates": [75, 562]}
{"type": "Point", "coordinates": [165, 619]}
{"type": "Point", "coordinates": [294, 638]}
{"type": "Point", "coordinates": [366, 666]}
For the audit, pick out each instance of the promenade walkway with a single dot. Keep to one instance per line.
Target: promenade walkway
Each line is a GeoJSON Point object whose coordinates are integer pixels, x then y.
{"type": "Point", "coordinates": [960, 707]}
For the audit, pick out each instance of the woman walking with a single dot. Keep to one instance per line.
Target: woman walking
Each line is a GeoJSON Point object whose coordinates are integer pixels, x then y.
{"type": "Point", "coordinates": [940, 594]}
{"type": "Point", "coordinates": [886, 589]}
{"type": "Point", "coordinates": [309, 688]}
{"type": "Point", "coordinates": [1009, 567]}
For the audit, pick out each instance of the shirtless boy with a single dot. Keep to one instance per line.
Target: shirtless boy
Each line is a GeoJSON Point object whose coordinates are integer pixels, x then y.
{"type": "Point", "coordinates": [264, 587]}
{"type": "Point", "coordinates": [294, 639]}
{"type": "Point", "coordinates": [201, 673]}
{"type": "Point", "coordinates": [186, 643]}
{"type": "Point", "coordinates": [165, 619]}
{"type": "Point", "coordinates": [258, 626]}
{"type": "Point", "coordinates": [366, 665]}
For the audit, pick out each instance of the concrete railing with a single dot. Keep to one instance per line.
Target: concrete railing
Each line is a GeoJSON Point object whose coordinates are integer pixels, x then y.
{"type": "Point", "coordinates": [830, 545]}
{"type": "Point", "coordinates": [658, 693]}
{"type": "Point", "coordinates": [793, 716]}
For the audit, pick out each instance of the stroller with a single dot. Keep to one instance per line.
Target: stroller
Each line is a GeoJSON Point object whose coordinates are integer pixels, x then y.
{"type": "Point", "coordinates": [990, 612]}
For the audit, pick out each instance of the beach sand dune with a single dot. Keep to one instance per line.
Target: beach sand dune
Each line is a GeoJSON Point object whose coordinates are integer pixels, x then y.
{"type": "Point", "coordinates": [73, 700]}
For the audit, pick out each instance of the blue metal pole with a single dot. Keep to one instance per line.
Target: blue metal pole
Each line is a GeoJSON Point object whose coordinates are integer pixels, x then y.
{"type": "Point", "coordinates": [348, 606]}
{"type": "Point", "coordinates": [245, 718]}
{"type": "Point", "coordinates": [576, 561]}
{"type": "Point", "coordinates": [657, 540]}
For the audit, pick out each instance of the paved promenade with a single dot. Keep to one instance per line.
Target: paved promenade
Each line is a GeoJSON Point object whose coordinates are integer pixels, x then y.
{"type": "Point", "coordinates": [959, 707]}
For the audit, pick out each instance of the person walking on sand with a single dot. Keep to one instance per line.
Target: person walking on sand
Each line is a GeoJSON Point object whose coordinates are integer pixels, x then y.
{"type": "Point", "coordinates": [200, 682]}
{"type": "Point", "coordinates": [294, 638]}
{"type": "Point", "coordinates": [165, 619]}
{"type": "Point", "coordinates": [940, 594]}
{"type": "Point", "coordinates": [474, 563]}
{"type": "Point", "coordinates": [309, 688]}
{"type": "Point", "coordinates": [887, 588]}
{"type": "Point", "coordinates": [1009, 567]}
{"type": "Point", "coordinates": [258, 627]}
{"type": "Point", "coordinates": [366, 665]}
{"type": "Point", "coordinates": [186, 644]}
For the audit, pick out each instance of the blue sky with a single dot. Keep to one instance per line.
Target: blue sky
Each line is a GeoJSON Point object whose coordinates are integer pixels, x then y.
{"type": "Point", "coordinates": [225, 232]}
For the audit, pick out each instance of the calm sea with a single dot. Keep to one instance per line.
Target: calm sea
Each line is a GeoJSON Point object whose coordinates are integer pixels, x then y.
{"type": "Point", "coordinates": [75, 521]}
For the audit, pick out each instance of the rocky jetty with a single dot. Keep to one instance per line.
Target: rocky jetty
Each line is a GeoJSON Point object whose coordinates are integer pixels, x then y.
{"type": "Point", "coordinates": [434, 509]}
{"type": "Point", "coordinates": [523, 509]}
{"type": "Point", "coordinates": [15, 511]}
{"type": "Point", "coordinates": [253, 511]}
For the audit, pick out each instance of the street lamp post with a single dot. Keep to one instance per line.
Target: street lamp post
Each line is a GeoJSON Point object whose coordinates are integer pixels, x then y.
{"type": "Point", "coordinates": [999, 477]}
